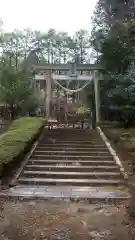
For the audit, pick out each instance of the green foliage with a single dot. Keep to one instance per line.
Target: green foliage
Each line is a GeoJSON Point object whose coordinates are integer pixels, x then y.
{"type": "Point", "coordinates": [21, 49]}
{"type": "Point", "coordinates": [118, 97]}
{"type": "Point", "coordinates": [16, 138]}
{"type": "Point", "coordinates": [50, 46]}
{"type": "Point", "coordinates": [83, 111]}
{"type": "Point", "coordinates": [131, 209]}
{"type": "Point", "coordinates": [15, 88]}
{"type": "Point", "coordinates": [113, 31]}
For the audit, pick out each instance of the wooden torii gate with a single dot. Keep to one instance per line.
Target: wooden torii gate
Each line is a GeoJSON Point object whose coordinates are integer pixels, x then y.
{"type": "Point", "coordinates": [66, 72]}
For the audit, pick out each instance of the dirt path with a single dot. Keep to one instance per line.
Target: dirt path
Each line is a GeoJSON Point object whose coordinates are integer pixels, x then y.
{"type": "Point", "coordinates": [63, 220]}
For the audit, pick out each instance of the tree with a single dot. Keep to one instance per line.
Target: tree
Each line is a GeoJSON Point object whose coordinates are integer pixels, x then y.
{"type": "Point", "coordinates": [109, 13]}
{"type": "Point", "coordinates": [20, 49]}
{"type": "Point", "coordinates": [15, 88]}
{"type": "Point", "coordinates": [82, 41]}
{"type": "Point", "coordinates": [12, 47]}
{"type": "Point", "coordinates": [27, 42]}
{"type": "Point", "coordinates": [113, 37]}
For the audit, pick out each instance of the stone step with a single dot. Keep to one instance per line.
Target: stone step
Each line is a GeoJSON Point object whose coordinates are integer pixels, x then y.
{"type": "Point", "coordinates": [78, 132]}
{"type": "Point", "coordinates": [73, 175]}
{"type": "Point", "coordinates": [93, 194]}
{"type": "Point", "coordinates": [64, 147]}
{"type": "Point", "coordinates": [68, 137]}
{"type": "Point", "coordinates": [74, 139]}
{"type": "Point", "coordinates": [70, 153]}
{"type": "Point", "coordinates": [73, 132]}
{"type": "Point", "coordinates": [73, 157]}
{"type": "Point", "coordinates": [71, 182]}
{"type": "Point", "coordinates": [68, 132]}
{"type": "Point", "coordinates": [62, 167]}
{"type": "Point", "coordinates": [71, 141]}
{"type": "Point", "coordinates": [71, 161]}
{"type": "Point", "coordinates": [72, 145]}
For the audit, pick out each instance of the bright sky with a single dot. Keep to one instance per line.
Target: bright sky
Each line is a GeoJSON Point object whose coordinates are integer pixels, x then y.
{"type": "Point", "coordinates": [63, 15]}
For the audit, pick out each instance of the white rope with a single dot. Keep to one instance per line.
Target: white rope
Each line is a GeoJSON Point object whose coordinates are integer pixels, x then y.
{"type": "Point", "coordinates": [71, 90]}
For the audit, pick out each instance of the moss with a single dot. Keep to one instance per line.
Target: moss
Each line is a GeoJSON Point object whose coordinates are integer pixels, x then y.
{"type": "Point", "coordinates": [121, 188]}
{"type": "Point", "coordinates": [17, 137]}
{"type": "Point", "coordinates": [131, 211]}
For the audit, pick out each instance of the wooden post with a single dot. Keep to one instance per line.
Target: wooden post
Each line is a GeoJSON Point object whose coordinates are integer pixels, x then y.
{"type": "Point", "coordinates": [48, 96]}
{"type": "Point", "coordinates": [96, 89]}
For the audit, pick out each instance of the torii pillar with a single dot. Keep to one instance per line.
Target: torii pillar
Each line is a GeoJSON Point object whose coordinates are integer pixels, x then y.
{"type": "Point", "coordinates": [97, 97]}
{"type": "Point", "coordinates": [48, 96]}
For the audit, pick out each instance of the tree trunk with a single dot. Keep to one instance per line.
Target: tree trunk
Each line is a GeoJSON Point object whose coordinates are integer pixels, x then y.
{"type": "Point", "coordinates": [10, 61]}
{"type": "Point", "coordinates": [64, 58]}
{"type": "Point", "coordinates": [16, 61]}
{"type": "Point", "coordinates": [52, 57]}
{"type": "Point", "coordinates": [12, 112]}
{"type": "Point", "coordinates": [48, 54]}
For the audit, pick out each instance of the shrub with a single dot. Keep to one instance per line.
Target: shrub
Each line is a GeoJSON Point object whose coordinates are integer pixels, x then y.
{"type": "Point", "coordinates": [14, 141]}
{"type": "Point", "coordinates": [83, 111]}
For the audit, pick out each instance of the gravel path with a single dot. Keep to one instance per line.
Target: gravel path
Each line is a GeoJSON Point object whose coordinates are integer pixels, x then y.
{"type": "Point", "coordinates": [37, 220]}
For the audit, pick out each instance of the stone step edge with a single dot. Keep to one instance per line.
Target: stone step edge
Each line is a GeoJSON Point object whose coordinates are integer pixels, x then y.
{"type": "Point", "coordinates": [71, 161]}
{"type": "Point", "coordinates": [71, 156]}
{"type": "Point", "coordinates": [67, 151]}
{"type": "Point", "coordinates": [71, 144]}
{"type": "Point", "coordinates": [72, 173]}
{"type": "Point", "coordinates": [71, 166]}
{"type": "Point", "coordinates": [112, 152]}
{"type": "Point", "coordinates": [75, 198]}
{"type": "Point", "coordinates": [73, 141]}
{"type": "Point", "coordinates": [69, 148]}
{"type": "Point", "coordinates": [67, 193]}
{"type": "Point", "coordinates": [45, 180]}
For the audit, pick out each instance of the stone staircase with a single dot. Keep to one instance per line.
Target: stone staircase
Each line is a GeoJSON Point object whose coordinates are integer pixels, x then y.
{"type": "Point", "coordinates": [73, 157]}
{"type": "Point", "coordinates": [70, 162]}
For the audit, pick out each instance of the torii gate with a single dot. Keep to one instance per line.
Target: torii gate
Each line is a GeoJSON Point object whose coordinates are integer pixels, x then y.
{"type": "Point", "coordinates": [69, 71]}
